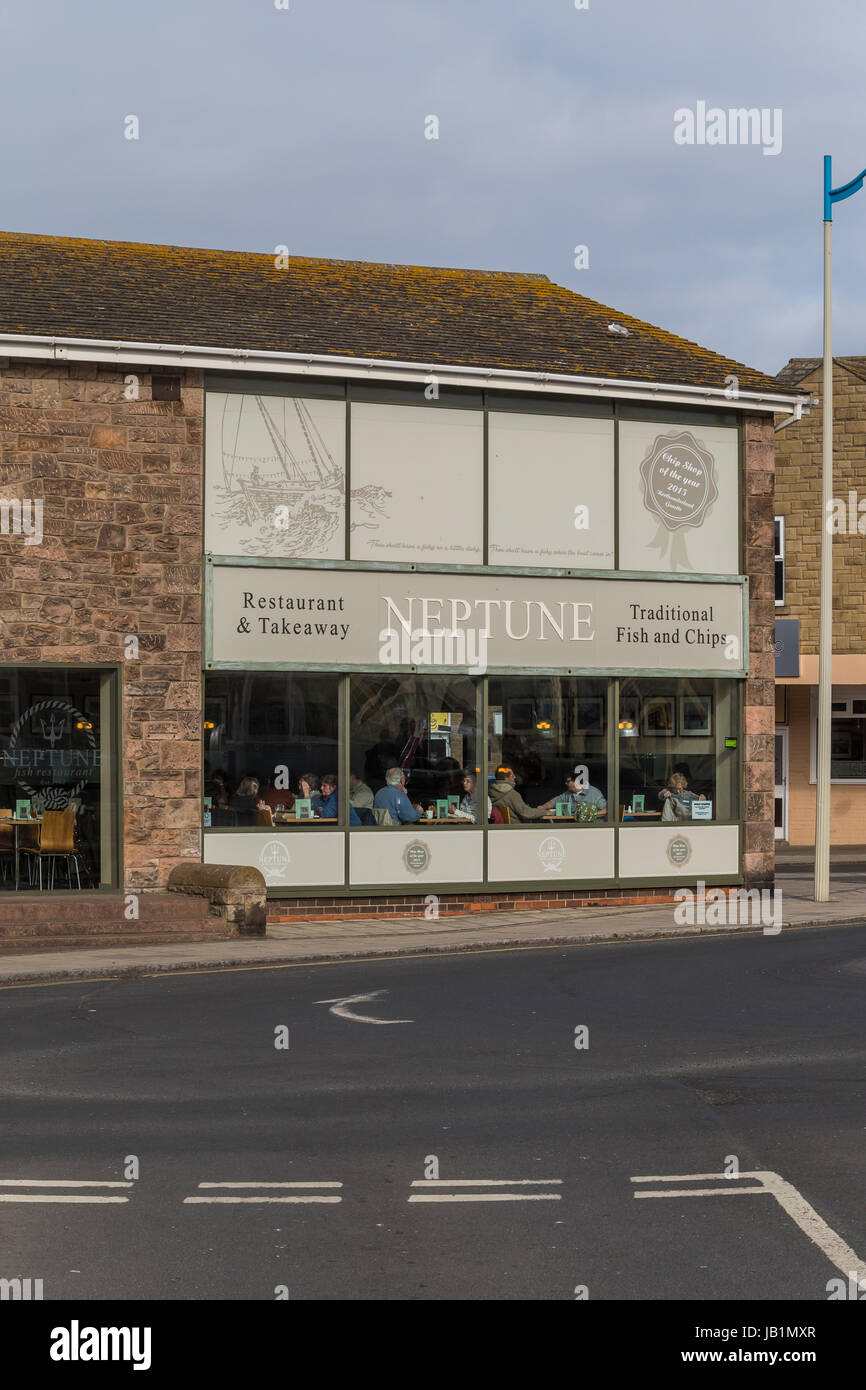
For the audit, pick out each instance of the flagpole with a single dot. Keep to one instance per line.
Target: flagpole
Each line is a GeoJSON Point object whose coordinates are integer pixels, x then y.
{"type": "Point", "coordinates": [825, 625]}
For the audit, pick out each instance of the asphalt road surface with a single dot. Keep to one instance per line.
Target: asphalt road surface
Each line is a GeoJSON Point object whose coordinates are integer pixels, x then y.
{"type": "Point", "coordinates": [472, 1151]}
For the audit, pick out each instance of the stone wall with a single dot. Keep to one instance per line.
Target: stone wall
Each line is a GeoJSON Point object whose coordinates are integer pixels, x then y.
{"type": "Point", "coordinates": [760, 709]}
{"type": "Point", "coordinates": [798, 500]}
{"type": "Point", "coordinates": [121, 556]}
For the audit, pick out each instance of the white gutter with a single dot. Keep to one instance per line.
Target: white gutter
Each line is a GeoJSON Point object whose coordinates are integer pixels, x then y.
{"type": "Point", "coordinates": [379, 369]}
{"type": "Point", "coordinates": [802, 407]}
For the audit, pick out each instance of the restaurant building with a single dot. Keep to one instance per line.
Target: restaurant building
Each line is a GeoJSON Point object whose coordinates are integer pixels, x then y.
{"type": "Point", "coordinates": [335, 519]}
{"type": "Point", "coordinates": [798, 585]}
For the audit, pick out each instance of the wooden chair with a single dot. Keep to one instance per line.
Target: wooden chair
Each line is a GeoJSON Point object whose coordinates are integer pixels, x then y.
{"type": "Point", "coordinates": [7, 839]}
{"type": "Point", "coordinates": [55, 840]}
{"type": "Point", "coordinates": [263, 817]}
{"type": "Point", "coordinates": [504, 813]}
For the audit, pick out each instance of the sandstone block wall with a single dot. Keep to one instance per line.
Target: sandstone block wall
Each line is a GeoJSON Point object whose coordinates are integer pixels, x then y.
{"type": "Point", "coordinates": [798, 500]}
{"type": "Point", "coordinates": [759, 699]}
{"type": "Point", "coordinates": [121, 483]}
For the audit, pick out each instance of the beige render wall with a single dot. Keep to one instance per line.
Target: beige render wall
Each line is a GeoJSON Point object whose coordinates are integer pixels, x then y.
{"type": "Point", "coordinates": [847, 804]}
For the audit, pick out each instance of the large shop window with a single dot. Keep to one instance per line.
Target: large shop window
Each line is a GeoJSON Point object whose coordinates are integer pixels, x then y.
{"type": "Point", "coordinates": [271, 749]}
{"type": "Point", "coordinates": [678, 742]}
{"type": "Point", "coordinates": [547, 748]}
{"type": "Point", "coordinates": [414, 749]}
{"type": "Point", "coordinates": [58, 769]}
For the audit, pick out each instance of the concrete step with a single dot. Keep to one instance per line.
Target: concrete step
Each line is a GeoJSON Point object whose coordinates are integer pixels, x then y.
{"type": "Point", "coordinates": [49, 922]}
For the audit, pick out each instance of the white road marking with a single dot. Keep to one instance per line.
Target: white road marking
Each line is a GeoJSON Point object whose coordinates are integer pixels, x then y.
{"type": "Point", "coordinates": [53, 1197]}
{"type": "Point", "coordinates": [57, 1182]}
{"type": "Point", "coordinates": [235, 1200]}
{"type": "Point", "coordinates": [692, 1177]}
{"type": "Point", "coordinates": [440, 1196]}
{"type": "Point", "coordinates": [486, 1197]}
{"type": "Point", "coordinates": [340, 1009]}
{"type": "Point", "coordinates": [270, 1184]}
{"type": "Point", "coordinates": [813, 1225]}
{"type": "Point", "coordinates": [308, 1198]}
{"type": "Point", "coordinates": [486, 1182]}
{"type": "Point", "coordinates": [800, 1211]}
{"type": "Point", "coordinates": [705, 1192]}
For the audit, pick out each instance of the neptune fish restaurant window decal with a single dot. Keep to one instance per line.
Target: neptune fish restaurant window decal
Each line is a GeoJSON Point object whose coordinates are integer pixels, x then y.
{"type": "Point", "coordinates": [680, 487]}
{"type": "Point", "coordinates": [54, 752]}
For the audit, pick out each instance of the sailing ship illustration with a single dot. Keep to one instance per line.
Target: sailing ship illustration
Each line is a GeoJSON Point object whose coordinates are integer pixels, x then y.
{"type": "Point", "coordinates": [290, 499]}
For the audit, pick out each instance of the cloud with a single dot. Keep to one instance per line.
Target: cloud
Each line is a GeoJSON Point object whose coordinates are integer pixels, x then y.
{"type": "Point", "coordinates": [306, 127]}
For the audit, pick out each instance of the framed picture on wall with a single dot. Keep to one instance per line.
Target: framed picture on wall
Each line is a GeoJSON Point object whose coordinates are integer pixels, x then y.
{"type": "Point", "coordinates": [589, 714]}
{"type": "Point", "coordinates": [521, 717]}
{"type": "Point", "coordinates": [696, 716]}
{"type": "Point", "coordinates": [658, 716]}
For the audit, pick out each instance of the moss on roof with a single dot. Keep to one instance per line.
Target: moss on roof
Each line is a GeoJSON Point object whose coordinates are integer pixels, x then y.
{"type": "Point", "coordinates": [129, 291]}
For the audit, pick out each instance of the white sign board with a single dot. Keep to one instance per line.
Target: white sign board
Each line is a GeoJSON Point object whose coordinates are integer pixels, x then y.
{"type": "Point", "coordinates": [324, 619]}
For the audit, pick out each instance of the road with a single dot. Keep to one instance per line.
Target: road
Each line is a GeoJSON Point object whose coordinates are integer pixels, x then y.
{"type": "Point", "coordinates": [702, 1054]}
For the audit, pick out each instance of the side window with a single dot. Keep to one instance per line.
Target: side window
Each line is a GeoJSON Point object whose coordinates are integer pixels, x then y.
{"type": "Point", "coordinates": [780, 560]}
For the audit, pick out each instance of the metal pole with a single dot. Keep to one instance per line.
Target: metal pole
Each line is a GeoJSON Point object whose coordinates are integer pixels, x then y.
{"type": "Point", "coordinates": [825, 629]}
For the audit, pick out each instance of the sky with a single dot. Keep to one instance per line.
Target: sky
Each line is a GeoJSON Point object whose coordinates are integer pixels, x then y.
{"type": "Point", "coordinates": [306, 126]}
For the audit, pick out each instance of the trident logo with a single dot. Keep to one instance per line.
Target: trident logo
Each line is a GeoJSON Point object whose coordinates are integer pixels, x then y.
{"type": "Point", "coordinates": [52, 729]}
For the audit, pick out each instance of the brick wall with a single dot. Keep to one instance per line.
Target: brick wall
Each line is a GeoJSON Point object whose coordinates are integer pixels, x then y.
{"type": "Point", "coordinates": [759, 764]}
{"type": "Point", "coordinates": [121, 482]}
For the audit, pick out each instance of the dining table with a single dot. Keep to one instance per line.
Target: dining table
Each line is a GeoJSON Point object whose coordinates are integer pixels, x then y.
{"type": "Point", "coordinates": [289, 818]}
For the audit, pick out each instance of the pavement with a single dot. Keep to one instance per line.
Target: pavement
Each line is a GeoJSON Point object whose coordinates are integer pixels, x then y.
{"type": "Point", "coordinates": [306, 942]}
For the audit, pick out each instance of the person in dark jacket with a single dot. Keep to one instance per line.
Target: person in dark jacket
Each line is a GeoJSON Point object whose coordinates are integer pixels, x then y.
{"type": "Point", "coordinates": [246, 800]}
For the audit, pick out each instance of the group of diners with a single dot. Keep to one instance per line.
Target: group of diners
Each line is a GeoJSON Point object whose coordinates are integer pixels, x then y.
{"type": "Point", "coordinates": [391, 804]}
{"type": "Point", "coordinates": [253, 794]}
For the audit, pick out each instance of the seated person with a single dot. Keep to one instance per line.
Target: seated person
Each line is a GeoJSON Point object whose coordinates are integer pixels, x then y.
{"type": "Point", "coordinates": [503, 792]}
{"type": "Point", "coordinates": [580, 793]}
{"type": "Point", "coordinates": [217, 788]}
{"type": "Point", "coordinates": [393, 799]}
{"type": "Point", "coordinates": [468, 808]}
{"type": "Point", "coordinates": [329, 806]}
{"type": "Point", "coordinates": [246, 800]}
{"type": "Point", "coordinates": [309, 788]}
{"type": "Point", "coordinates": [274, 796]}
{"type": "Point", "coordinates": [360, 795]}
{"type": "Point", "coordinates": [676, 798]}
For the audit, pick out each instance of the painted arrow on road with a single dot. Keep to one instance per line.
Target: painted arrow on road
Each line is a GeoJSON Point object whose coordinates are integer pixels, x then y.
{"type": "Point", "coordinates": [340, 1007]}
